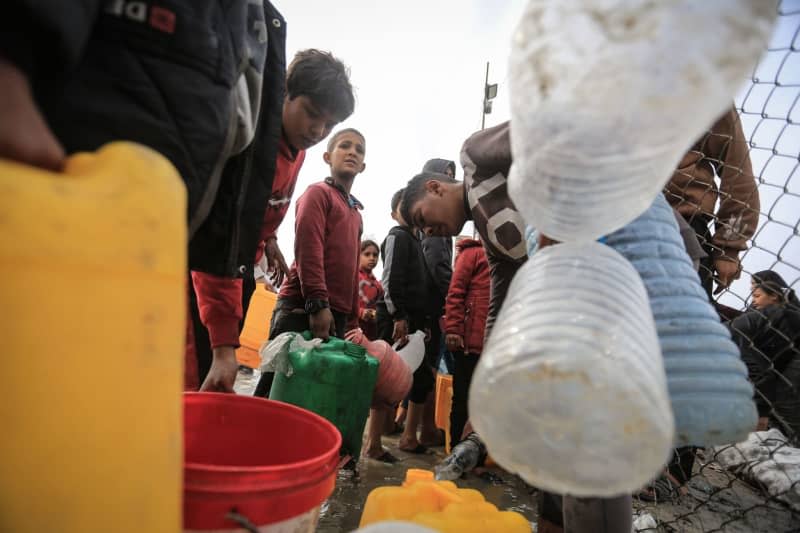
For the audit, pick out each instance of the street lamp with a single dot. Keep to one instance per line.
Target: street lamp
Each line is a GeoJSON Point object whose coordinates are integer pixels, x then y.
{"type": "Point", "coordinates": [489, 92]}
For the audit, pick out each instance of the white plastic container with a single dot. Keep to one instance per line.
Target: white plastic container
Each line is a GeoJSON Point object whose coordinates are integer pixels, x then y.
{"type": "Point", "coordinates": [570, 391]}
{"type": "Point", "coordinates": [607, 95]}
{"type": "Point", "coordinates": [414, 351]}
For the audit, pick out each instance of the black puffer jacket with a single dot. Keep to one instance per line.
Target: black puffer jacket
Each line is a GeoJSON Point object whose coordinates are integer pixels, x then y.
{"type": "Point", "coordinates": [196, 80]}
{"type": "Point", "coordinates": [769, 340]}
{"type": "Point", "coordinates": [403, 277]}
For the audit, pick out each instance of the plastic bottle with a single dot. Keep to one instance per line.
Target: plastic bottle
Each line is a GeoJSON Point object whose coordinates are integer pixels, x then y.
{"type": "Point", "coordinates": [710, 394]}
{"type": "Point", "coordinates": [596, 131]}
{"type": "Point", "coordinates": [414, 351]}
{"type": "Point", "coordinates": [465, 456]}
{"type": "Point", "coordinates": [570, 391]}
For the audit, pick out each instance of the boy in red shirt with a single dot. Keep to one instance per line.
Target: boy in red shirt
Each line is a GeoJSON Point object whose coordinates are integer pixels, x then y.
{"type": "Point", "coordinates": [321, 291]}
{"type": "Point", "coordinates": [318, 96]}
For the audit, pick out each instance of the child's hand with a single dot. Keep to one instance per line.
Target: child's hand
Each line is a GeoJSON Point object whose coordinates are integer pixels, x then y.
{"type": "Point", "coordinates": [24, 135]}
{"type": "Point", "coordinates": [276, 264]}
{"type": "Point", "coordinates": [727, 270]}
{"type": "Point", "coordinates": [400, 332]}
{"type": "Point", "coordinates": [322, 324]}
{"type": "Point", "coordinates": [454, 342]}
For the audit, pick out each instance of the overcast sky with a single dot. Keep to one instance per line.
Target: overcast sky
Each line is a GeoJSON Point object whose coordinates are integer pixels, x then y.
{"type": "Point", "coordinates": [419, 68]}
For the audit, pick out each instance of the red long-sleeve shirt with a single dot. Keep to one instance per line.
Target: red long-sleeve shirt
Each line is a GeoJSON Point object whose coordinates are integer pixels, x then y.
{"type": "Point", "coordinates": [326, 248]}
{"type": "Point", "coordinates": [219, 299]}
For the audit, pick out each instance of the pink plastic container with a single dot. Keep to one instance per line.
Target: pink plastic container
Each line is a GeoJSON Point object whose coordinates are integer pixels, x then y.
{"type": "Point", "coordinates": [394, 376]}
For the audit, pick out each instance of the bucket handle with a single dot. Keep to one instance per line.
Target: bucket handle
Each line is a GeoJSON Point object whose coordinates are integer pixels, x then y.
{"type": "Point", "coordinates": [241, 520]}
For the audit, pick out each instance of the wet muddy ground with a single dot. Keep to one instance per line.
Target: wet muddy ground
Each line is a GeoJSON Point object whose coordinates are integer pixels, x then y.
{"type": "Point", "coordinates": [716, 500]}
{"type": "Point", "coordinates": [342, 511]}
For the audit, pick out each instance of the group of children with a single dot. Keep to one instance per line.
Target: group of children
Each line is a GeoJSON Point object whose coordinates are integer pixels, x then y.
{"type": "Point", "coordinates": [206, 86]}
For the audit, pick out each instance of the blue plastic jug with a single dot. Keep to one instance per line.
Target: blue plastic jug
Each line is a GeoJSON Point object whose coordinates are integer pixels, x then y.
{"type": "Point", "coordinates": [710, 394]}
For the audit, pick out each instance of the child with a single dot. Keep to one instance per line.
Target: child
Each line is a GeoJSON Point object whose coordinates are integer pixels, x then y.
{"type": "Point", "coordinates": [466, 308]}
{"type": "Point", "coordinates": [438, 253]}
{"type": "Point", "coordinates": [370, 290]}
{"type": "Point", "coordinates": [440, 205]}
{"type": "Point", "coordinates": [318, 96]}
{"type": "Point", "coordinates": [402, 311]}
{"type": "Point", "coordinates": [321, 291]}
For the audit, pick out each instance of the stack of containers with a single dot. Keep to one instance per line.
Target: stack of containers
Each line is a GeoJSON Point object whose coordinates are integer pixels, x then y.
{"type": "Point", "coordinates": [596, 132]}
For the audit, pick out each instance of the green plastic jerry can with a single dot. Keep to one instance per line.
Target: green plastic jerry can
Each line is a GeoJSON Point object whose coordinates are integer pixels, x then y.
{"type": "Point", "coordinates": [334, 380]}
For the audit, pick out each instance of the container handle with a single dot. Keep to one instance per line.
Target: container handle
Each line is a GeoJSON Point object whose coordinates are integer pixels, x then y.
{"type": "Point", "coordinates": [241, 520]}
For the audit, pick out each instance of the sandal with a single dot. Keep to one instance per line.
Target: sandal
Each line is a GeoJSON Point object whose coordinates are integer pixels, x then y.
{"type": "Point", "coordinates": [419, 450]}
{"type": "Point", "coordinates": [397, 429]}
{"type": "Point", "coordinates": [385, 457]}
{"type": "Point", "coordinates": [664, 488]}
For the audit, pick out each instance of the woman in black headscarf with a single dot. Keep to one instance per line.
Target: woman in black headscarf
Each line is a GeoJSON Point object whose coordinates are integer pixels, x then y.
{"type": "Point", "coordinates": [768, 335]}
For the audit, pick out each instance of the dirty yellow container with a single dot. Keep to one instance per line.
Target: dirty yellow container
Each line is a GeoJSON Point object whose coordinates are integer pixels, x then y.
{"type": "Point", "coordinates": [439, 505]}
{"type": "Point", "coordinates": [92, 288]}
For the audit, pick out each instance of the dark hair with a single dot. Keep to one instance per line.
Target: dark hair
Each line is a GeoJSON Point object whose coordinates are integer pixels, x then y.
{"type": "Point", "coordinates": [332, 140]}
{"type": "Point", "coordinates": [415, 190]}
{"type": "Point", "coordinates": [773, 284]}
{"type": "Point", "coordinates": [323, 79]}
{"type": "Point", "coordinates": [396, 197]}
{"type": "Point", "coordinates": [366, 243]}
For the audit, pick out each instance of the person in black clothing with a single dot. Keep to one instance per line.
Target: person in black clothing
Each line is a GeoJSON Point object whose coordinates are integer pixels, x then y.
{"type": "Point", "coordinates": [402, 311]}
{"type": "Point", "coordinates": [438, 252]}
{"type": "Point", "coordinates": [200, 82]}
{"type": "Point", "coordinates": [768, 335]}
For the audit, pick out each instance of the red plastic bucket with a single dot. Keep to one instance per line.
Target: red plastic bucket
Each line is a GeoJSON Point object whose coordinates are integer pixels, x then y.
{"type": "Point", "coordinates": [254, 461]}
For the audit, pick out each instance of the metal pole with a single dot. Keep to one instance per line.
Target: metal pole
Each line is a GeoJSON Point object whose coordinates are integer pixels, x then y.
{"type": "Point", "coordinates": [485, 85]}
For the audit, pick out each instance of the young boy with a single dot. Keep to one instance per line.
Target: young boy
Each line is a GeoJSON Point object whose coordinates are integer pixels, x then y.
{"type": "Point", "coordinates": [402, 311]}
{"type": "Point", "coordinates": [321, 291]}
{"type": "Point", "coordinates": [439, 205]}
{"type": "Point", "coordinates": [318, 96]}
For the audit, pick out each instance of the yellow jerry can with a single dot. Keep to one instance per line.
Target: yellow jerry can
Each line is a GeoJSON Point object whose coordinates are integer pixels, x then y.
{"type": "Point", "coordinates": [256, 326]}
{"type": "Point", "coordinates": [439, 505]}
{"type": "Point", "coordinates": [93, 295]}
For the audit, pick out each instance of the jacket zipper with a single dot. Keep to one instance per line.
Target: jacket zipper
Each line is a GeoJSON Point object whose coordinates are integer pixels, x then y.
{"type": "Point", "coordinates": [248, 165]}
{"type": "Point", "coordinates": [210, 194]}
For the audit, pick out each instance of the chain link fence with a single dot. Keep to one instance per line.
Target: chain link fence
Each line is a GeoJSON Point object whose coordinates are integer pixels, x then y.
{"type": "Point", "coordinates": [754, 485]}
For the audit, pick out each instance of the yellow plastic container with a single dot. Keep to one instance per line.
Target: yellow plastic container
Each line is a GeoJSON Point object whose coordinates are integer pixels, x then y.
{"type": "Point", "coordinates": [444, 404]}
{"type": "Point", "coordinates": [439, 505]}
{"type": "Point", "coordinates": [256, 326]}
{"type": "Point", "coordinates": [92, 285]}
